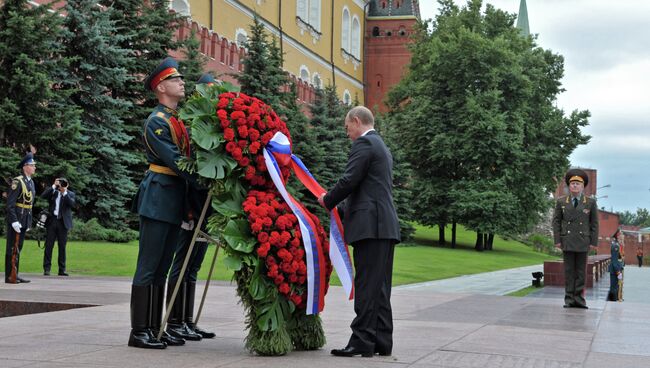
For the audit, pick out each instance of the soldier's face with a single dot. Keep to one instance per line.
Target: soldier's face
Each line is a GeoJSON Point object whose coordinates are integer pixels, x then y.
{"type": "Point", "coordinates": [576, 187]}
{"type": "Point", "coordinates": [29, 169]}
{"type": "Point", "coordinates": [173, 87]}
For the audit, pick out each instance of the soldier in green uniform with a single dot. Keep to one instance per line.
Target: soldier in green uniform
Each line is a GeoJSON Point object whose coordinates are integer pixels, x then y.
{"type": "Point", "coordinates": [575, 230]}
{"type": "Point", "coordinates": [181, 320]}
{"type": "Point", "coordinates": [20, 199]}
{"type": "Point", "coordinates": [159, 203]}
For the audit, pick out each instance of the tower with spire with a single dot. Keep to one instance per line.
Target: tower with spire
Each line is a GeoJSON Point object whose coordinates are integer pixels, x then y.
{"type": "Point", "coordinates": [522, 19]}
{"type": "Point", "coordinates": [389, 25]}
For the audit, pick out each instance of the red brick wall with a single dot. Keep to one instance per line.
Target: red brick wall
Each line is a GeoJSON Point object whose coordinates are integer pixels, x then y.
{"type": "Point", "coordinates": [386, 58]}
{"type": "Point", "coordinates": [607, 224]}
{"type": "Point", "coordinates": [590, 188]}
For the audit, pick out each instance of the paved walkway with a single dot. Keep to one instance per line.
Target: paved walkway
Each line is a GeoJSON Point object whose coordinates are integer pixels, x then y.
{"type": "Point", "coordinates": [489, 283]}
{"type": "Point", "coordinates": [432, 329]}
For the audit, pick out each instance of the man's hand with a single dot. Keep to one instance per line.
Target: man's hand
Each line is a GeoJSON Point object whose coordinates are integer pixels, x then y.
{"type": "Point", "coordinates": [187, 225]}
{"type": "Point", "coordinates": [16, 226]}
{"type": "Point", "coordinates": [321, 200]}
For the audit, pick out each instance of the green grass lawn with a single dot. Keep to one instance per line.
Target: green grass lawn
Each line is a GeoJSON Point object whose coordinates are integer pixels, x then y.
{"type": "Point", "coordinates": [417, 261]}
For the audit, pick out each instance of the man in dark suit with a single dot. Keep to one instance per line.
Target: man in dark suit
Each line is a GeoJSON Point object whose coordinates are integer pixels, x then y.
{"type": "Point", "coordinates": [372, 228]}
{"type": "Point", "coordinates": [59, 222]}
{"type": "Point", "coordinates": [20, 199]}
{"type": "Point", "coordinates": [575, 230]}
{"type": "Point", "coordinates": [159, 203]}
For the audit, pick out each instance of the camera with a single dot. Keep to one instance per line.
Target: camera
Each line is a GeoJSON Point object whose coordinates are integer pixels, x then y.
{"type": "Point", "coordinates": [63, 182]}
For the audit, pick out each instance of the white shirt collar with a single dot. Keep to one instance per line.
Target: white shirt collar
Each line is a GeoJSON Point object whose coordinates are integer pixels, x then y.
{"type": "Point", "coordinates": [366, 132]}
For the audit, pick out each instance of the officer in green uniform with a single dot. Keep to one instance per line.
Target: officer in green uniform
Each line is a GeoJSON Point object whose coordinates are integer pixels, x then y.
{"type": "Point", "coordinates": [20, 199]}
{"type": "Point", "coordinates": [159, 203]}
{"type": "Point", "coordinates": [575, 230]}
{"type": "Point", "coordinates": [181, 319]}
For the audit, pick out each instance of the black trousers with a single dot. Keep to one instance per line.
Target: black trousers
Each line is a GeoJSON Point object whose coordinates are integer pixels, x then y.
{"type": "Point", "coordinates": [196, 258]}
{"type": "Point", "coordinates": [372, 328]}
{"type": "Point", "coordinates": [575, 273]}
{"type": "Point", "coordinates": [158, 240]}
{"type": "Point", "coordinates": [11, 240]}
{"type": "Point", "coordinates": [56, 230]}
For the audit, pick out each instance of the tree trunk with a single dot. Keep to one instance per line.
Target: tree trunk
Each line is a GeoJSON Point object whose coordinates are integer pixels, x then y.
{"type": "Point", "coordinates": [441, 234]}
{"type": "Point", "coordinates": [479, 242]}
{"type": "Point", "coordinates": [453, 234]}
{"type": "Point", "coordinates": [490, 241]}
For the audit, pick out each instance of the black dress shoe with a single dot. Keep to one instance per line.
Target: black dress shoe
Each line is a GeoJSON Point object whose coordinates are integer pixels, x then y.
{"type": "Point", "coordinates": [581, 306]}
{"type": "Point", "coordinates": [567, 306]}
{"type": "Point", "coordinates": [169, 339]}
{"type": "Point", "coordinates": [183, 332]}
{"type": "Point", "coordinates": [351, 351]}
{"type": "Point", "coordinates": [46, 273]}
{"type": "Point", "coordinates": [63, 274]}
{"type": "Point", "coordinates": [145, 339]}
{"type": "Point", "coordinates": [205, 334]}
{"type": "Point", "coordinates": [383, 352]}
{"type": "Point", "coordinates": [22, 280]}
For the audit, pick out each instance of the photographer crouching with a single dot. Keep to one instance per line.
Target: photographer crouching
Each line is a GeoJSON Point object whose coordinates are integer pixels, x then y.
{"type": "Point", "coordinates": [58, 223]}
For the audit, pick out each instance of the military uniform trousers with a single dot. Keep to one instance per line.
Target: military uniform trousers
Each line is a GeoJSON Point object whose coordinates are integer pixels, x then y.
{"type": "Point", "coordinates": [11, 240]}
{"type": "Point", "coordinates": [158, 239]}
{"type": "Point", "coordinates": [575, 268]}
{"type": "Point", "coordinates": [372, 328]}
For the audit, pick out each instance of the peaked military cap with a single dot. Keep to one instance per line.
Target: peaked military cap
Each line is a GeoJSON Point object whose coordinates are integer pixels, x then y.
{"type": "Point", "coordinates": [167, 69]}
{"type": "Point", "coordinates": [576, 175]}
{"type": "Point", "coordinates": [206, 78]}
{"type": "Point", "coordinates": [27, 160]}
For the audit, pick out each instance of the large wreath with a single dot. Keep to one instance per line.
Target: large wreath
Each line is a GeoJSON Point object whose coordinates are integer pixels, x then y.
{"type": "Point", "coordinates": [261, 236]}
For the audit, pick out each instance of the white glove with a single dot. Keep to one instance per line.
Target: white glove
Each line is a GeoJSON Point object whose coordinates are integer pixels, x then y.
{"type": "Point", "coordinates": [620, 276]}
{"type": "Point", "coordinates": [188, 225]}
{"type": "Point", "coordinates": [16, 226]}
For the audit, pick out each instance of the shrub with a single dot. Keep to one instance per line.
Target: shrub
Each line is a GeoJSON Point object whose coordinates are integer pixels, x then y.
{"type": "Point", "coordinates": [92, 230]}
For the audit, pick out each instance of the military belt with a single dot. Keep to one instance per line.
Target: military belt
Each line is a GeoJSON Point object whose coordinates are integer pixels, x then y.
{"type": "Point", "coordinates": [161, 170]}
{"type": "Point", "coordinates": [27, 206]}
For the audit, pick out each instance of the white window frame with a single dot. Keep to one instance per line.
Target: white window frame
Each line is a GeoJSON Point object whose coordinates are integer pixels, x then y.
{"type": "Point", "coordinates": [345, 29]}
{"type": "Point", "coordinates": [355, 37]}
{"type": "Point", "coordinates": [347, 96]}
{"type": "Point", "coordinates": [316, 80]}
{"type": "Point", "coordinates": [240, 32]}
{"type": "Point", "coordinates": [181, 7]}
{"type": "Point", "coordinates": [303, 68]}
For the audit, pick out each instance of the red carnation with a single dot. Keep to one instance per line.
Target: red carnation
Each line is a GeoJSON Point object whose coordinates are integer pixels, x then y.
{"type": "Point", "coordinates": [263, 237]}
{"type": "Point", "coordinates": [254, 147]}
{"type": "Point", "coordinates": [229, 134]}
{"type": "Point", "coordinates": [223, 103]}
{"type": "Point", "coordinates": [284, 288]}
{"type": "Point", "coordinates": [230, 146]}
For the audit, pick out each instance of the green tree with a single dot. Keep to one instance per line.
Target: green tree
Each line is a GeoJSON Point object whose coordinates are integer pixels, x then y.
{"type": "Point", "coordinates": [37, 113]}
{"type": "Point", "coordinates": [481, 129]}
{"type": "Point", "coordinates": [263, 76]}
{"type": "Point", "coordinates": [194, 61]}
{"type": "Point", "coordinates": [98, 67]}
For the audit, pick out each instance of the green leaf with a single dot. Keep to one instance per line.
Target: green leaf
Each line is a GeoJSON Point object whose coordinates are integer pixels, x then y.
{"type": "Point", "coordinates": [233, 262]}
{"type": "Point", "coordinates": [206, 135]}
{"type": "Point", "coordinates": [197, 106]}
{"type": "Point", "coordinates": [214, 165]}
{"type": "Point", "coordinates": [273, 315]}
{"type": "Point", "coordinates": [238, 236]}
{"type": "Point", "coordinates": [228, 206]}
{"type": "Point", "coordinates": [257, 287]}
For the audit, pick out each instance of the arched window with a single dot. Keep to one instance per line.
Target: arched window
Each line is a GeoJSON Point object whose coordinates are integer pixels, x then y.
{"type": "Point", "coordinates": [241, 37]}
{"type": "Point", "coordinates": [181, 7]}
{"type": "Point", "coordinates": [345, 30]}
{"type": "Point", "coordinates": [315, 80]}
{"type": "Point", "coordinates": [314, 14]}
{"type": "Point", "coordinates": [301, 9]}
{"type": "Point", "coordinates": [355, 36]}
{"type": "Point", "coordinates": [304, 73]}
{"type": "Point", "coordinates": [347, 97]}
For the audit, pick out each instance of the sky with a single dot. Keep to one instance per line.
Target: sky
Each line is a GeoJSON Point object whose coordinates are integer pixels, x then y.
{"type": "Point", "coordinates": [606, 49]}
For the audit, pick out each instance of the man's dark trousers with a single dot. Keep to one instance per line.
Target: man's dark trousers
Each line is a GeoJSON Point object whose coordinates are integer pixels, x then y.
{"type": "Point", "coordinates": [372, 328]}
{"type": "Point", "coordinates": [575, 267]}
{"type": "Point", "coordinates": [56, 230]}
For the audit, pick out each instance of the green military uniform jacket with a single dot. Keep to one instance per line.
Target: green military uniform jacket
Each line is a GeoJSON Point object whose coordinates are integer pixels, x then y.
{"type": "Point", "coordinates": [575, 228]}
{"type": "Point", "coordinates": [162, 196]}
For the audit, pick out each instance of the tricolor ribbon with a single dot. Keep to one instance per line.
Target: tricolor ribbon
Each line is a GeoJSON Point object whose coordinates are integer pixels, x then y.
{"type": "Point", "coordinates": [279, 150]}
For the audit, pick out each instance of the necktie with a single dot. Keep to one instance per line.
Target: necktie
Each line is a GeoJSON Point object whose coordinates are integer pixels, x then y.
{"type": "Point", "coordinates": [575, 202]}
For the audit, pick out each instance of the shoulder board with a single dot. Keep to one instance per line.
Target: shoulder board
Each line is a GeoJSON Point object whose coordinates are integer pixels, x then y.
{"type": "Point", "coordinates": [160, 114]}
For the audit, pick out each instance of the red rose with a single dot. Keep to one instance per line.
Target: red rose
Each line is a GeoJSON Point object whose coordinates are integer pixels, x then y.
{"type": "Point", "coordinates": [230, 146]}
{"type": "Point", "coordinates": [223, 103]}
{"type": "Point", "coordinates": [229, 134]}
{"type": "Point", "coordinates": [263, 237]}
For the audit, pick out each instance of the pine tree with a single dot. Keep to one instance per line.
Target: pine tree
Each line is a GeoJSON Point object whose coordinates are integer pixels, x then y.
{"type": "Point", "coordinates": [36, 111]}
{"type": "Point", "coordinates": [192, 65]}
{"type": "Point", "coordinates": [98, 67]}
{"type": "Point", "coordinates": [263, 76]}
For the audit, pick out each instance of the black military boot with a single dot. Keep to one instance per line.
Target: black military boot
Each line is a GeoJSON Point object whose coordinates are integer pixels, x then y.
{"type": "Point", "coordinates": [188, 316]}
{"type": "Point", "coordinates": [156, 317]}
{"type": "Point", "coordinates": [141, 335]}
{"type": "Point", "coordinates": [175, 325]}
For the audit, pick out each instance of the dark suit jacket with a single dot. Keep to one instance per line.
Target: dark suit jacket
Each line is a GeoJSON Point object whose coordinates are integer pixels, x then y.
{"type": "Point", "coordinates": [575, 228]}
{"type": "Point", "coordinates": [65, 206]}
{"type": "Point", "coordinates": [367, 184]}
